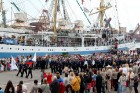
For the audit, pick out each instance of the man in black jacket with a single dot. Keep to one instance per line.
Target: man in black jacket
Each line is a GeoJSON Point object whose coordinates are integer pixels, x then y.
{"type": "Point", "coordinates": [54, 86]}
{"type": "Point", "coordinates": [24, 70]}
{"type": "Point", "coordinates": [20, 69]}
{"type": "Point", "coordinates": [98, 82]}
{"type": "Point", "coordinates": [30, 71]}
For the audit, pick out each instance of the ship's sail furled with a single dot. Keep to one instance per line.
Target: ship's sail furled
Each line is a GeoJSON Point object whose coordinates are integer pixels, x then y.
{"type": "Point", "coordinates": [79, 25]}
{"type": "Point", "coordinates": [20, 20]}
{"type": "Point", "coordinates": [63, 24]}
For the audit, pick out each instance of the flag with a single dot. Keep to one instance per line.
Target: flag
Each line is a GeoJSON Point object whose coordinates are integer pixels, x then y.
{"type": "Point", "coordinates": [82, 1]}
{"type": "Point", "coordinates": [29, 63]}
{"type": "Point", "coordinates": [13, 64]}
{"type": "Point", "coordinates": [34, 58]}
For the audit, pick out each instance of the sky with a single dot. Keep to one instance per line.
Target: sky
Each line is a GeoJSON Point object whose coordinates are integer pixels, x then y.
{"type": "Point", "coordinates": [128, 10]}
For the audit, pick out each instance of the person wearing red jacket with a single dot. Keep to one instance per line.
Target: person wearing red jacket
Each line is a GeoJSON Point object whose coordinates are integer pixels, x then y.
{"type": "Point", "coordinates": [62, 87]}
{"type": "Point", "coordinates": [49, 77]}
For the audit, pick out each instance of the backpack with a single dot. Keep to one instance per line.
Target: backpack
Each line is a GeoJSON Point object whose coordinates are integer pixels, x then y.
{"type": "Point", "coordinates": [75, 84]}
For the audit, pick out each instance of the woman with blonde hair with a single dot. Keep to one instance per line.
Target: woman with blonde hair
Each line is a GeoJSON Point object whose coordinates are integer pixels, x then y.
{"type": "Point", "coordinates": [49, 77]}
{"type": "Point", "coordinates": [71, 76]}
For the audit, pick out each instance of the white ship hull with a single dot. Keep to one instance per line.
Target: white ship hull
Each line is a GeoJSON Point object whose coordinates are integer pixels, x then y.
{"type": "Point", "coordinates": [6, 51]}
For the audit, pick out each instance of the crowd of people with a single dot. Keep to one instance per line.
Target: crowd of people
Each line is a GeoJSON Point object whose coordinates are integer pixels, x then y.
{"type": "Point", "coordinates": [99, 73]}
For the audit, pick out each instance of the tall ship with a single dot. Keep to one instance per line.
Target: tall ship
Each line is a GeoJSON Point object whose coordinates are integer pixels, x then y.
{"type": "Point", "coordinates": [54, 32]}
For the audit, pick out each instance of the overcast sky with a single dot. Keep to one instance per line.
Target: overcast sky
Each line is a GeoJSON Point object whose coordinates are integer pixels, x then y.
{"type": "Point", "coordinates": [128, 10]}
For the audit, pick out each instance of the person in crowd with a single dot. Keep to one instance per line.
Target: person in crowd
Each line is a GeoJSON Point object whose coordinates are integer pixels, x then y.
{"type": "Point", "coordinates": [94, 80]}
{"type": "Point", "coordinates": [35, 87]}
{"type": "Point", "coordinates": [130, 79]}
{"type": "Point", "coordinates": [98, 82]}
{"type": "Point", "coordinates": [24, 69]}
{"type": "Point", "coordinates": [114, 77]}
{"type": "Point", "coordinates": [19, 89]}
{"type": "Point", "coordinates": [88, 80]}
{"type": "Point", "coordinates": [42, 64]}
{"type": "Point", "coordinates": [43, 75]}
{"type": "Point", "coordinates": [82, 85]}
{"type": "Point", "coordinates": [69, 89]}
{"type": "Point", "coordinates": [9, 87]}
{"type": "Point", "coordinates": [49, 77]}
{"type": "Point", "coordinates": [71, 76]}
{"type": "Point", "coordinates": [104, 81]}
{"type": "Point", "coordinates": [136, 83]}
{"type": "Point", "coordinates": [54, 86]}
{"type": "Point", "coordinates": [45, 86]}
{"type": "Point", "coordinates": [122, 80]}
{"type": "Point", "coordinates": [20, 69]}
{"type": "Point", "coordinates": [21, 86]}
{"type": "Point", "coordinates": [66, 70]}
{"type": "Point", "coordinates": [66, 80]}
{"type": "Point", "coordinates": [61, 87]}
{"type": "Point", "coordinates": [59, 77]}
{"type": "Point", "coordinates": [39, 90]}
{"type": "Point", "coordinates": [30, 71]}
{"type": "Point", "coordinates": [1, 91]}
{"type": "Point", "coordinates": [135, 68]}
{"type": "Point", "coordinates": [75, 83]}
{"type": "Point", "coordinates": [109, 77]}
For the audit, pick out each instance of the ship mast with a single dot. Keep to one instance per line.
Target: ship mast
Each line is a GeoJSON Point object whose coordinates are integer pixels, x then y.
{"type": "Point", "coordinates": [55, 15]}
{"type": "Point", "coordinates": [3, 14]}
{"type": "Point", "coordinates": [101, 10]}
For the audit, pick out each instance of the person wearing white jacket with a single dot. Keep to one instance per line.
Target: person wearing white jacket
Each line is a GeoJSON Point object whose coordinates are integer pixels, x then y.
{"type": "Point", "coordinates": [122, 80]}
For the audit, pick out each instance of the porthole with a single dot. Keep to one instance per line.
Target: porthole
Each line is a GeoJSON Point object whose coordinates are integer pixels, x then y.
{"type": "Point", "coordinates": [1, 47]}
{"type": "Point", "coordinates": [18, 48]}
{"type": "Point", "coordinates": [10, 48]}
{"type": "Point", "coordinates": [23, 49]}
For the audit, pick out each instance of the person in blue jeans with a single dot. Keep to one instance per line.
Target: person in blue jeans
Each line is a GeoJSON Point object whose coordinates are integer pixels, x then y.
{"type": "Point", "coordinates": [122, 80]}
